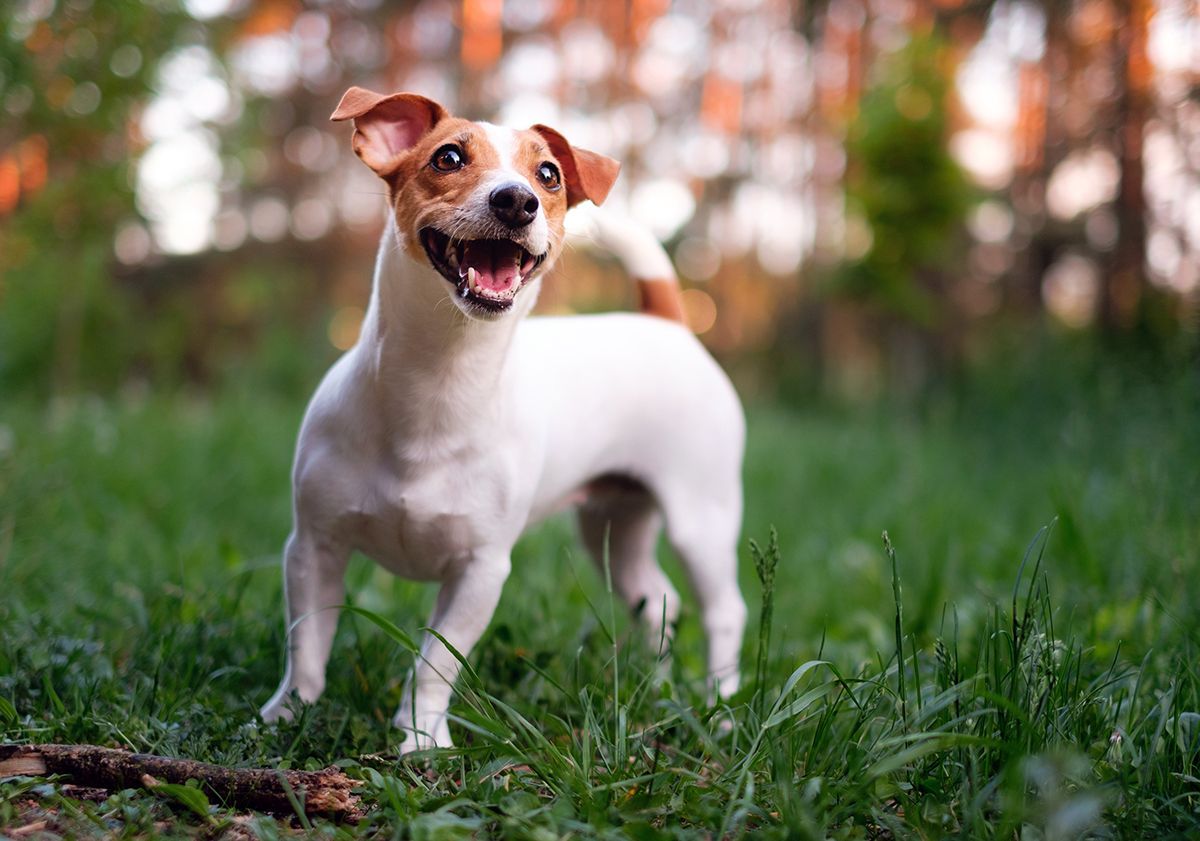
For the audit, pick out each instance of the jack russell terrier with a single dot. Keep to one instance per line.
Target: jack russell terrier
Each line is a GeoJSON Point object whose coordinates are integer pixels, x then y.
{"type": "Point", "coordinates": [454, 422]}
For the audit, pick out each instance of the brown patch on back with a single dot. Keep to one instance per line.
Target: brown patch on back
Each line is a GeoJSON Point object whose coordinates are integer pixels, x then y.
{"type": "Point", "coordinates": [661, 298]}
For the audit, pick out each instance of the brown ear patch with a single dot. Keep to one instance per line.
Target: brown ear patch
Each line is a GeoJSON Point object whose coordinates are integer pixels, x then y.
{"type": "Point", "coordinates": [588, 175]}
{"type": "Point", "coordinates": [386, 125]}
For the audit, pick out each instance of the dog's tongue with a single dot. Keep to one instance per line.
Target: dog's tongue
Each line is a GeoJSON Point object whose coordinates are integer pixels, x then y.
{"type": "Point", "coordinates": [497, 263]}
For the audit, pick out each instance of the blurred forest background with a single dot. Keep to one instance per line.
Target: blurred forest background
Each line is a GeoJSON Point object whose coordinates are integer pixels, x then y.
{"type": "Point", "coordinates": [861, 195]}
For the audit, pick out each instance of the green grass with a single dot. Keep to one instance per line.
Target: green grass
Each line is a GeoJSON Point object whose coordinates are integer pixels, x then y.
{"type": "Point", "coordinates": [1041, 683]}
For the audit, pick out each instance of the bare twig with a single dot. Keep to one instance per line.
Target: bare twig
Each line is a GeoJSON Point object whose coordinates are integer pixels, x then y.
{"type": "Point", "coordinates": [326, 792]}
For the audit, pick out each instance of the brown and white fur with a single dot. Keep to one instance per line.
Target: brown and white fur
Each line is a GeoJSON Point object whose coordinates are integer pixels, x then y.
{"type": "Point", "coordinates": [454, 422]}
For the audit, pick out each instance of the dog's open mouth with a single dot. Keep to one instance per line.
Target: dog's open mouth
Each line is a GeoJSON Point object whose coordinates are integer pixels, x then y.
{"type": "Point", "coordinates": [487, 272]}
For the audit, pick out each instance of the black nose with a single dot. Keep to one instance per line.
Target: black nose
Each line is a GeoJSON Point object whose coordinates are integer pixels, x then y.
{"type": "Point", "coordinates": [514, 205]}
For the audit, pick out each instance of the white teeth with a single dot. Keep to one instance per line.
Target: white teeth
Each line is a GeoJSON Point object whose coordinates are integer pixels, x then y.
{"type": "Point", "coordinates": [498, 294]}
{"type": "Point", "coordinates": [469, 285]}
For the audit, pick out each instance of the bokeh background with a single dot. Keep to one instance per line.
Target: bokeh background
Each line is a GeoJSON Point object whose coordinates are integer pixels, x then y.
{"type": "Point", "coordinates": [862, 196]}
{"type": "Point", "coordinates": [949, 250]}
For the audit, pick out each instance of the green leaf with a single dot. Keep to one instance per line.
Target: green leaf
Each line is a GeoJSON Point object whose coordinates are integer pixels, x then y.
{"type": "Point", "coordinates": [798, 706]}
{"type": "Point", "coordinates": [8, 712]}
{"type": "Point", "coordinates": [791, 684]}
{"type": "Point", "coordinates": [393, 631]}
{"type": "Point", "coordinates": [189, 796]}
{"type": "Point", "coordinates": [927, 743]}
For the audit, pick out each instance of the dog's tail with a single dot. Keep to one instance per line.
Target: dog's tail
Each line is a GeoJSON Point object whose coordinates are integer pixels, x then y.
{"type": "Point", "coordinates": [643, 257]}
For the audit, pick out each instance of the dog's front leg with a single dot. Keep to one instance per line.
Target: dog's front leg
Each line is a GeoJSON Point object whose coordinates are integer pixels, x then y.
{"type": "Point", "coordinates": [314, 586]}
{"type": "Point", "coordinates": [464, 608]}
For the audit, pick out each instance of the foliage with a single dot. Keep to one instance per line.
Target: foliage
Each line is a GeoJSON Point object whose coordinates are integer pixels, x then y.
{"type": "Point", "coordinates": [83, 83]}
{"type": "Point", "coordinates": [73, 79]}
{"type": "Point", "coordinates": [903, 188]}
{"type": "Point", "coordinates": [1056, 696]}
{"type": "Point", "coordinates": [76, 79]}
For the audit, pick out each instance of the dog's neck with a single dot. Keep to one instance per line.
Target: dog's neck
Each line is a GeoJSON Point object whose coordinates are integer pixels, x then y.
{"type": "Point", "coordinates": [436, 370]}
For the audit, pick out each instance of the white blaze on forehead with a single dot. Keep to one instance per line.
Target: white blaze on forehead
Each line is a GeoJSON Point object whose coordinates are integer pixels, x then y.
{"type": "Point", "coordinates": [506, 142]}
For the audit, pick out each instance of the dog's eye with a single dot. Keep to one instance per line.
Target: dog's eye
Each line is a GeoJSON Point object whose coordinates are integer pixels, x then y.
{"type": "Point", "coordinates": [547, 173]}
{"type": "Point", "coordinates": [448, 159]}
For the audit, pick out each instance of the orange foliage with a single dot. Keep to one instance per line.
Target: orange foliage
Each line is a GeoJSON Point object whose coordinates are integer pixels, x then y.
{"type": "Point", "coordinates": [10, 184]}
{"type": "Point", "coordinates": [644, 13]}
{"type": "Point", "coordinates": [23, 172]}
{"type": "Point", "coordinates": [33, 155]}
{"type": "Point", "coordinates": [1140, 70]}
{"type": "Point", "coordinates": [41, 38]}
{"type": "Point", "coordinates": [269, 17]}
{"type": "Point", "coordinates": [482, 38]}
{"type": "Point", "coordinates": [1093, 22]}
{"type": "Point", "coordinates": [1030, 129]}
{"type": "Point", "coordinates": [721, 103]}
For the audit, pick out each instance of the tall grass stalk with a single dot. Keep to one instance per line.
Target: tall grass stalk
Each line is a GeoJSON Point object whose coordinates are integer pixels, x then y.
{"type": "Point", "coordinates": [765, 563]}
{"type": "Point", "coordinates": [899, 629]}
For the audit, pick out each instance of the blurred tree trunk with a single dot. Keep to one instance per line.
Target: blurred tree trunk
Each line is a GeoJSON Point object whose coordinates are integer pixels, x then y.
{"type": "Point", "coordinates": [1043, 144]}
{"type": "Point", "coordinates": [1124, 276]}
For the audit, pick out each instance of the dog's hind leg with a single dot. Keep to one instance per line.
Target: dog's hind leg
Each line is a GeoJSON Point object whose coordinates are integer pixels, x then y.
{"type": "Point", "coordinates": [704, 532]}
{"type": "Point", "coordinates": [314, 586]}
{"type": "Point", "coordinates": [621, 520]}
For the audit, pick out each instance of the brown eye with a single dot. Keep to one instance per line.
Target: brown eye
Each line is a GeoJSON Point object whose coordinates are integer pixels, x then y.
{"type": "Point", "coordinates": [547, 173]}
{"type": "Point", "coordinates": [448, 159]}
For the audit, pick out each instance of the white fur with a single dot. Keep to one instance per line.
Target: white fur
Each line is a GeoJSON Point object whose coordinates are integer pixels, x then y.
{"type": "Point", "coordinates": [637, 247]}
{"type": "Point", "coordinates": [504, 141]}
{"type": "Point", "coordinates": [438, 439]}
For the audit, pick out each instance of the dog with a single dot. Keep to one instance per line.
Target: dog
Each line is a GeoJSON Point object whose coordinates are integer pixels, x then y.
{"type": "Point", "coordinates": [455, 422]}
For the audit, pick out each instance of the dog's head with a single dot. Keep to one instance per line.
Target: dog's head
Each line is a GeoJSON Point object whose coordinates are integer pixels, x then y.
{"type": "Point", "coordinates": [482, 205]}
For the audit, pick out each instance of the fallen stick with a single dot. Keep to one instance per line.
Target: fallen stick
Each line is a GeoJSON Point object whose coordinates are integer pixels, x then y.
{"type": "Point", "coordinates": [327, 792]}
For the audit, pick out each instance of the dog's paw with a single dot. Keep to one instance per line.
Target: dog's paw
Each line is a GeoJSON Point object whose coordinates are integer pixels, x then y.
{"type": "Point", "coordinates": [275, 710]}
{"type": "Point", "coordinates": [414, 743]}
{"type": "Point", "coordinates": [425, 733]}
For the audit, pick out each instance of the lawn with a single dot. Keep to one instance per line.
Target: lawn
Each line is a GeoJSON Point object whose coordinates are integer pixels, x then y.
{"type": "Point", "coordinates": [1055, 698]}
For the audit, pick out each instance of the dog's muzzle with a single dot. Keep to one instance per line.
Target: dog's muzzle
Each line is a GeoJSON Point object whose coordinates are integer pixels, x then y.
{"type": "Point", "coordinates": [487, 272]}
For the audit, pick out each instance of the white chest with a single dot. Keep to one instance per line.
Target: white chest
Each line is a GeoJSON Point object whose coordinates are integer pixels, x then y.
{"type": "Point", "coordinates": [422, 522]}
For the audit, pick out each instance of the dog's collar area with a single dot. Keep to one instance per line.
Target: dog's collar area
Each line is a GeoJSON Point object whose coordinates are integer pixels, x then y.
{"type": "Point", "coordinates": [486, 272]}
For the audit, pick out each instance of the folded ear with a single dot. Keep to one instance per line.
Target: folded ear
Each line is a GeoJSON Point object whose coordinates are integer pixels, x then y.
{"type": "Point", "coordinates": [588, 175]}
{"type": "Point", "coordinates": [386, 125]}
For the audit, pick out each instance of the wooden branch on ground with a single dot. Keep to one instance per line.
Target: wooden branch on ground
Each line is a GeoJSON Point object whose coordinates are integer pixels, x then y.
{"type": "Point", "coordinates": [326, 792]}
